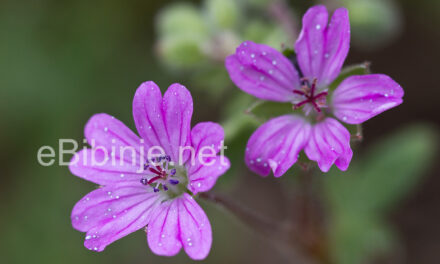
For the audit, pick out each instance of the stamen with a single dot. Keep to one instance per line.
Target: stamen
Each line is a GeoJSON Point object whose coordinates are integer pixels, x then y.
{"type": "Point", "coordinates": [144, 181]}
{"type": "Point", "coordinates": [173, 171]}
{"type": "Point", "coordinates": [173, 182]}
{"type": "Point", "coordinates": [165, 188]}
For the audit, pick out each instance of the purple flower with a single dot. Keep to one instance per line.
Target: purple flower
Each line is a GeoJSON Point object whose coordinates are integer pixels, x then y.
{"type": "Point", "coordinates": [321, 50]}
{"type": "Point", "coordinates": [138, 192]}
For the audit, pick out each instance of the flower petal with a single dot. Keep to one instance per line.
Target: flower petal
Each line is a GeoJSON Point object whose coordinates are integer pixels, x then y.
{"type": "Point", "coordinates": [263, 72]}
{"type": "Point", "coordinates": [163, 122]}
{"type": "Point", "coordinates": [110, 213]}
{"type": "Point", "coordinates": [99, 166]}
{"type": "Point", "coordinates": [163, 229]}
{"type": "Point", "coordinates": [203, 171]}
{"type": "Point", "coordinates": [329, 143]}
{"type": "Point", "coordinates": [108, 132]}
{"type": "Point", "coordinates": [275, 145]}
{"type": "Point", "coordinates": [178, 109]}
{"type": "Point", "coordinates": [321, 49]}
{"type": "Point", "coordinates": [359, 98]}
{"type": "Point", "coordinates": [195, 229]}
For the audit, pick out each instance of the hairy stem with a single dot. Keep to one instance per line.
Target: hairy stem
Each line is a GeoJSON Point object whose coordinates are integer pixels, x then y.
{"type": "Point", "coordinates": [270, 229]}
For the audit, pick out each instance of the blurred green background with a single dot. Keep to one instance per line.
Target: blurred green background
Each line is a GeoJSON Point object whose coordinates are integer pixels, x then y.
{"type": "Point", "coordinates": [63, 61]}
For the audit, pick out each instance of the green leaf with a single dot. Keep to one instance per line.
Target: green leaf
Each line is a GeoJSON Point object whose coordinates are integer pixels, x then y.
{"type": "Point", "coordinates": [388, 171]}
{"type": "Point", "coordinates": [355, 238]}
{"type": "Point", "coordinates": [359, 198]}
{"type": "Point", "coordinates": [264, 110]}
{"type": "Point", "coordinates": [357, 69]}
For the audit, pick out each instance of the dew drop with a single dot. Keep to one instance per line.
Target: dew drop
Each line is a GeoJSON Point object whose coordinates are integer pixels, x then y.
{"type": "Point", "coordinates": [258, 159]}
{"type": "Point", "coordinates": [344, 118]}
{"type": "Point", "coordinates": [274, 62]}
{"type": "Point", "coordinates": [318, 27]}
{"type": "Point", "coordinates": [105, 129]}
{"type": "Point", "coordinates": [88, 237]}
{"type": "Point", "coordinates": [122, 175]}
{"type": "Point", "coordinates": [252, 55]}
{"type": "Point", "coordinates": [262, 78]}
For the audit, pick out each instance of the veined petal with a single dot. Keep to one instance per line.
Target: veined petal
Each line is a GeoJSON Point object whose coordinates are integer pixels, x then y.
{"type": "Point", "coordinates": [204, 169]}
{"type": "Point", "coordinates": [329, 143]}
{"type": "Point", "coordinates": [276, 144]}
{"type": "Point", "coordinates": [262, 71]}
{"type": "Point", "coordinates": [321, 49]}
{"type": "Point", "coordinates": [163, 229]}
{"type": "Point", "coordinates": [99, 166]}
{"type": "Point", "coordinates": [112, 212]}
{"type": "Point", "coordinates": [178, 109]}
{"type": "Point", "coordinates": [163, 122]}
{"type": "Point", "coordinates": [359, 98]}
{"type": "Point", "coordinates": [105, 131]}
{"type": "Point", "coordinates": [195, 229]}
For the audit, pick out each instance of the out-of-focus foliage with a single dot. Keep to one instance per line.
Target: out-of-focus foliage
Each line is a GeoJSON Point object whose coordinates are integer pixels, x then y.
{"type": "Point", "coordinates": [360, 198]}
{"type": "Point", "coordinates": [374, 23]}
{"type": "Point", "coordinates": [196, 40]}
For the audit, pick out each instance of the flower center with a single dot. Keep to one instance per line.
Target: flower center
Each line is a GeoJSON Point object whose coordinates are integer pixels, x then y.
{"type": "Point", "coordinates": [310, 96]}
{"type": "Point", "coordinates": [163, 175]}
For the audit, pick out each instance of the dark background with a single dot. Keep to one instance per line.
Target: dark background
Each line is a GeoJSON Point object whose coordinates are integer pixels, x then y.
{"type": "Point", "coordinates": [63, 61]}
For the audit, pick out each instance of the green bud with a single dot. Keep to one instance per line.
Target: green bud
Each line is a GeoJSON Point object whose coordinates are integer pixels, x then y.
{"type": "Point", "coordinates": [261, 32]}
{"type": "Point", "coordinates": [224, 14]}
{"type": "Point", "coordinates": [181, 50]}
{"type": "Point", "coordinates": [181, 19]}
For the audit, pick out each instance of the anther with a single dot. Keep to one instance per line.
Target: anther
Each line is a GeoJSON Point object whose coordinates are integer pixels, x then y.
{"type": "Point", "coordinates": [173, 182]}
{"type": "Point", "coordinates": [144, 181]}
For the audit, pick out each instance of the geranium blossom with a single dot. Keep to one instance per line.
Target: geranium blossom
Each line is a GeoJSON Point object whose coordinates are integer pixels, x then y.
{"type": "Point", "coordinates": [155, 192]}
{"type": "Point", "coordinates": [321, 50]}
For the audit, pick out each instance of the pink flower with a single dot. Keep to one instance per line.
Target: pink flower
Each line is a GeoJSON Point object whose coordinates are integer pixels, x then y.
{"type": "Point", "coordinates": [138, 192]}
{"type": "Point", "coordinates": [321, 50]}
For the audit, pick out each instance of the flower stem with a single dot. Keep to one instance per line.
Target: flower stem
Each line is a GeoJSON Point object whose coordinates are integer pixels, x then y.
{"type": "Point", "coordinates": [269, 228]}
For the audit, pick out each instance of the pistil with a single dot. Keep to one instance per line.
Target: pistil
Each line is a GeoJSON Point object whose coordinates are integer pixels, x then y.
{"type": "Point", "coordinates": [308, 91]}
